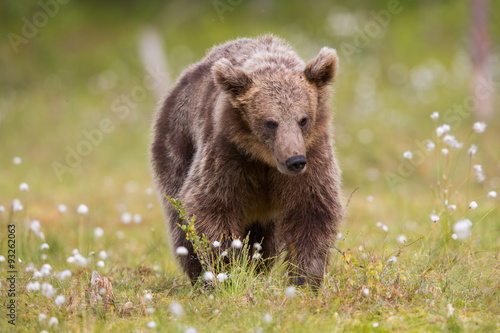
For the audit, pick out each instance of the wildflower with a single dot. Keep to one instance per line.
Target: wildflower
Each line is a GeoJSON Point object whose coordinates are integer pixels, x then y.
{"type": "Point", "coordinates": [59, 300]}
{"type": "Point", "coordinates": [148, 297]}
{"type": "Point", "coordinates": [190, 330]}
{"type": "Point", "coordinates": [150, 310]}
{"type": "Point", "coordinates": [392, 260]}
{"type": "Point", "coordinates": [236, 244]}
{"type": "Point", "coordinates": [151, 324]}
{"type": "Point", "coordinates": [148, 191]}
{"type": "Point", "coordinates": [445, 151]}
{"type": "Point", "coordinates": [472, 150]}
{"type": "Point", "coordinates": [452, 207]}
{"type": "Point", "coordinates": [17, 160]}
{"type": "Point", "coordinates": [24, 187]}
{"type": "Point", "coordinates": [98, 232]}
{"type": "Point", "coordinates": [16, 205]}
{"type": "Point", "coordinates": [103, 255]}
{"type": "Point", "coordinates": [290, 292]}
{"type": "Point", "coordinates": [369, 198]}
{"type": "Point", "coordinates": [37, 275]}
{"type": "Point", "coordinates": [221, 277]}
{"type": "Point", "coordinates": [33, 286]}
{"type": "Point", "coordinates": [430, 145]}
{"type": "Point", "coordinates": [473, 205]}
{"type": "Point", "coordinates": [208, 276]}
{"type": "Point", "coordinates": [53, 321]}
{"type": "Point", "coordinates": [375, 325]}
{"type": "Point", "coordinates": [442, 129]}
{"type": "Point", "coordinates": [62, 208]}
{"type": "Point", "coordinates": [48, 290]}
{"type": "Point", "coordinates": [408, 155]}
{"type": "Point", "coordinates": [257, 246]}
{"type": "Point", "coordinates": [492, 194]}
{"type": "Point", "coordinates": [42, 317]}
{"type": "Point", "coordinates": [256, 255]}
{"type": "Point", "coordinates": [379, 224]}
{"type": "Point", "coordinates": [267, 318]}
{"type": "Point", "coordinates": [452, 142]}
{"type": "Point", "coordinates": [435, 115]}
{"type": "Point", "coordinates": [479, 127]}
{"type": "Point", "coordinates": [450, 310]}
{"type": "Point", "coordinates": [2, 209]}
{"type": "Point", "coordinates": [366, 291]}
{"type": "Point", "coordinates": [402, 239]}
{"type": "Point", "coordinates": [434, 217]}
{"type": "Point", "coordinates": [137, 218]}
{"type": "Point", "coordinates": [181, 251]}
{"type": "Point", "coordinates": [82, 209]}
{"type": "Point", "coordinates": [223, 254]}
{"type": "Point", "coordinates": [44, 246]}
{"type": "Point", "coordinates": [45, 270]}
{"type": "Point", "coordinates": [176, 309]}
{"type": "Point", "coordinates": [340, 236]}
{"type": "Point", "coordinates": [385, 228]}
{"type": "Point", "coordinates": [216, 244]}
{"type": "Point", "coordinates": [454, 236]}
{"type": "Point", "coordinates": [126, 218]}
{"type": "Point", "coordinates": [43, 257]}
{"type": "Point", "coordinates": [2, 258]}
{"type": "Point", "coordinates": [64, 274]}
{"type": "Point", "coordinates": [80, 260]}
{"type": "Point", "coordinates": [462, 229]}
{"type": "Point", "coordinates": [100, 264]}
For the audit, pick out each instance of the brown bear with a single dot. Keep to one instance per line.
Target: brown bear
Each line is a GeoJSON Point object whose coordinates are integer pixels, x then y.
{"type": "Point", "coordinates": [244, 141]}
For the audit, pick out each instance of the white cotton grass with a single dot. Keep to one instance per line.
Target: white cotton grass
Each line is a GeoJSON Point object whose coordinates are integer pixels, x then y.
{"type": "Point", "coordinates": [462, 229]}
{"type": "Point", "coordinates": [479, 127]}
{"type": "Point", "coordinates": [61, 208]}
{"type": "Point", "coordinates": [402, 239]}
{"type": "Point", "coordinates": [98, 232]}
{"type": "Point", "coordinates": [47, 290]}
{"type": "Point", "coordinates": [82, 209]}
{"type": "Point", "coordinates": [267, 318]}
{"type": "Point", "coordinates": [190, 330]}
{"type": "Point", "coordinates": [478, 169]}
{"type": "Point", "coordinates": [492, 194]}
{"type": "Point", "coordinates": [442, 130]}
{"type": "Point", "coordinates": [290, 291]}
{"type": "Point", "coordinates": [430, 145]}
{"type": "Point", "coordinates": [408, 155]}
{"type": "Point", "coordinates": [382, 226]}
{"type": "Point", "coordinates": [23, 187]}
{"type": "Point", "coordinates": [473, 205]}
{"type": "Point", "coordinates": [449, 310]}
{"type": "Point", "coordinates": [208, 276]}
{"type": "Point", "coordinates": [452, 208]}
{"type": "Point", "coordinates": [44, 246]}
{"type": "Point", "coordinates": [17, 160]}
{"type": "Point", "coordinates": [176, 309]}
{"type": "Point", "coordinates": [137, 218]}
{"type": "Point", "coordinates": [148, 297]}
{"type": "Point", "coordinates": [472, 150]}
{"type": "Point", "coordinates": [392, 260]}
{"type": "Point", "coordinates": [257, 246]}
{"type": "Point", "coordinates": [17, 206]}
{"type": "Point", "coordinates": [103, 255]}
{"type": "Point", "coordinates": [64, 274]}
{"type": "Point", "coordinates": [2, 258]}
{"type": "Point", "coordinates": [53, 321]}
{"type": "Point", "coordinates": [151, 324]}
{"type": "Point", "coordinates": [256, 255]}
{"type": "Point", "coordinates": [100, 264]}
{"type": "Point", "coordinates": [445, 151]}
{"type": "Point", "coordinates": [181, 251]}
{"type": "Point", "coordinates": [59, 300]}
{"type": "Point", "coordinates": [366, 291]}
{"type": "Point", "coordinates": [126, 218]}
{"type": "Point", "coordinates": [236, 244]}
{"type": "Point", "coordinates": [435, 115]}
{"type": "Point", "coordinates": [33, 286]}
{"type": "Point", "coordinates": [221, 277]}
{"type": "Point", "coordinates": [42, 317]}
{"type": "Point", "coordinates": [216, 244]}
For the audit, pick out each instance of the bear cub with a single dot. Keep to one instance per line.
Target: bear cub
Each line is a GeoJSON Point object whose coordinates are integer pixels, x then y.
{"type": "Point", "coordinates": [244, 141]}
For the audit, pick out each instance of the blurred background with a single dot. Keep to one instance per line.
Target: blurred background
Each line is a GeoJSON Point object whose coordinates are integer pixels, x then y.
{"type": "Point", "coordinates": [76, 98]}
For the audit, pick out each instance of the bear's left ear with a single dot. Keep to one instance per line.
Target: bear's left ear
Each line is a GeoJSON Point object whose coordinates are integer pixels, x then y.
{"type": "Point", "coordinates": [231, 78]}
{"type": "Point", "coordinates": [322, 69]}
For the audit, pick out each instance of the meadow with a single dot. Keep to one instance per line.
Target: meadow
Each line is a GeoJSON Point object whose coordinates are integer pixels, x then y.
{"type": "Point", "coordinates": [418, 250]}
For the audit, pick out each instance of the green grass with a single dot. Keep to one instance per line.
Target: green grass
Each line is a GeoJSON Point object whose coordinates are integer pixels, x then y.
{"type": "Point", "coordinates": [48, 97]}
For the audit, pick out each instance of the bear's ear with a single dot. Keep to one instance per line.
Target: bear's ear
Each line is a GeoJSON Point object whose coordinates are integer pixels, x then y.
{"type": "Point", "coordinates": [231, 78]}
{"type": "Point", "coordinates": [322, 69]}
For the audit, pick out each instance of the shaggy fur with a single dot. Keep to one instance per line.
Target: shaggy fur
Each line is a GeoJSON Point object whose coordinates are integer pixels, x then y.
{"type": "Point", "coordinates": [221, 144]}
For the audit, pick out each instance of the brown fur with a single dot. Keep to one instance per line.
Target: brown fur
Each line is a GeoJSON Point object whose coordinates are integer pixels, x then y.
{"type": "Point", "coordinates": [213, 150]}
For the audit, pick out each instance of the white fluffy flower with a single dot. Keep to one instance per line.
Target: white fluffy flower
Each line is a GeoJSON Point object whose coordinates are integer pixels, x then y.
{"type": "Point", "coordinates": [100, 264]}
{"type": "Point", "coordinates": [434, 217]}
{"type": "Point", "coordinates": [479, 127]}
{"type": "Point", "coordinates": [53, 321]}
{"type": "Point", "coordinates": [385, 228]}
{"type": "Point", "coordinates": [48, 290]}
{"type": "Point", "coordinates": [126, 218]}
{"type": "Point", "coordinates": [449, 310]}
{"type": "Point", "coordinates": [24, 187]}
{"type": "Point", "coordinates": [148, 297]}
{"type": "Point", "coordinates": [473, 205]}
{"type": "Point", "coordinates": [64, 274]}
{"type": "Point", "coordinates": [430, 145]}
{"type": "Point", "coordinates": [454, 236]}
{"type": "Point", "coordinates": [190, 330]}
{"type": "Point", "coordinates": [151, 324]}
{"type": "Point", "coordinates": [33, 286]}
{"type": "Point", "coordinates": [236, 244]}
{"type": "Point", "coordinates": [59, 300]}
{"type": "Point", "coordinates": [44, 246]}
{"type": "Point", "coordinates": [103, 255]}
{"type": "Point", "coordinates": [402, 239]}
{"type": "Point", "coordinates": [366, 291]}
{"type": "Point", "coordinates": [137, 218]}
{"type": "Point", "coordinates": [98, 232]}
{"type": "Point", "coordinates": [181, 251]}
{"type": "Point", "coordinates": [290, 292]}
{"type": "Point", "coordinates": [17, 160]}
{"type": "Point", "coordinates": [216, 244]}
{"type": "Point", "coordinates": [176, 309]}
{"type": "Point", "coordinates": [42, 317]}
{"type": "Point", "coordinates": [257, 246]}
{"type": "Point", "coordinates": [452, 207]}
{"type": "Point", "coordinates": [492, 194]}
{"type": "Point", "coordinates": [472, 150]}
{"type": "Point", "coordinates": [2, 258]}
{"type": "Point", "coordinates": [445, 151]}
{"type": "Point", "coordinates": [208, 276]}
{"type": "Point", "coordinates": [442, 129]}
{"type": "Point", "coordinates": [267, 318]}
{"type": "Point", "coordinates": [408, 155]}
{"type": "Point", "coordinates": [256, 255]}
{"type": "Point", "coordinates": [392, 260]}
{"type": "Point", "coordinates": [62, 208]}
{"type": "Point", "coordinates": [435, 115]}
{"type": "Point", "coordinates": [82, 209]}
{"type": "Point", "coordinates": [221, 277]}
{"type": "Point", "coordinates": [16, 205]}
{"type": "Point", "coordinates": [462, 229]}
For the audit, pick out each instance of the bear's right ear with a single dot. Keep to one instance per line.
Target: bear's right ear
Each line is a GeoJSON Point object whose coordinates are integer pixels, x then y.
{"type": "Point", "coordinates": [322, 69]}
{"type": "Point", "coordinates": [230, 78]}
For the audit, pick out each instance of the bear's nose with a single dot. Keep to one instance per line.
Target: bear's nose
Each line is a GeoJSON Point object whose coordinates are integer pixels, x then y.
{"type": "Point", "coordinates": [296, 163]}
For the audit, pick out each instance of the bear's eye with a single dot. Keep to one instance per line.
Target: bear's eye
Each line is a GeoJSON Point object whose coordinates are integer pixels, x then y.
{"type": "Point", "coordinates": [271, 124]}
{"type": "Point", "coordinates": [303, 122]}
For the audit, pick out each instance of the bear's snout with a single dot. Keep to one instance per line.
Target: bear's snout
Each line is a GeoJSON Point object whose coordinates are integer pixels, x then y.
{"type": "Point", "coordinates": [296, 163]}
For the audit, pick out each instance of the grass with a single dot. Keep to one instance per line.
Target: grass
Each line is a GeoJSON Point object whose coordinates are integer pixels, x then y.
{"type": "Point", "coordinates": [50, 95]}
